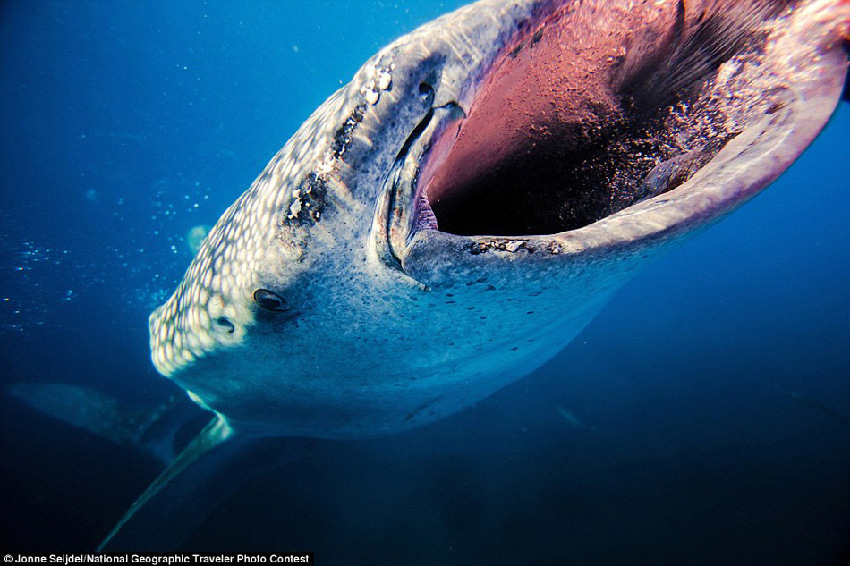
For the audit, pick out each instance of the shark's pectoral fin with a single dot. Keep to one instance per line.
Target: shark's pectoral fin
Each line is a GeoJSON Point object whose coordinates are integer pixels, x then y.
{"type": "Point", "coordinates": [155, 429]}
{"type": "Point", "coordinates": [203, 475]}
{"type": "Point", "coordinates": [179, 494]}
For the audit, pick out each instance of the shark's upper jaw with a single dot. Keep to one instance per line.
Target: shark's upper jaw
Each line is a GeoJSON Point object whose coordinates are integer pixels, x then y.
{"type": "Point", "coordinates": [594, 107]}
{"type": "Point", "coordinates": [568, 128]}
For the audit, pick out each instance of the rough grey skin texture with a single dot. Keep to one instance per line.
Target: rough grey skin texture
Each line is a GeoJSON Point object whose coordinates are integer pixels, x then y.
{"type": "Point", "coordinates": [369, 321]}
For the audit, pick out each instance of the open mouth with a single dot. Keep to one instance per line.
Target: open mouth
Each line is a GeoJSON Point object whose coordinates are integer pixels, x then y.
{"type": "Point", "coordinates": [594, 107]}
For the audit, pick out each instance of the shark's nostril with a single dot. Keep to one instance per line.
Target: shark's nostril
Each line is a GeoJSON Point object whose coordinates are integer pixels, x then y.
{"type": "Point", "coordinates": [226, 325]}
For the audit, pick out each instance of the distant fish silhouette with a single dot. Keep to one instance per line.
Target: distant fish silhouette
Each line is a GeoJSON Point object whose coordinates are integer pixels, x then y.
{"type": "Point", "coordinates": [819, 406]}
{"type": "Point", "coordinates": [195, 237]}
{"type": "Point", "coordinates": [570, 417]}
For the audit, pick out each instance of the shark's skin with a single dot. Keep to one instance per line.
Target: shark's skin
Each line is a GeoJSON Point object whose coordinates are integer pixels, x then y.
{"type": "Point", "coordinates": [327, 303]}
{"type": "Point", "coordinates": [387, 327]}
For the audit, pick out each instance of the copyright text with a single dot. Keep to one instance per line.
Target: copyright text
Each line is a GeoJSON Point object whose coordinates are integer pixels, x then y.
{"type": "Point", "coordinates": [160, 559]}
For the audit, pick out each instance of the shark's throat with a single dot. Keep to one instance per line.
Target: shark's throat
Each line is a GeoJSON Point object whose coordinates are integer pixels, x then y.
{"type": "Point", "coordinates": [597, 106]}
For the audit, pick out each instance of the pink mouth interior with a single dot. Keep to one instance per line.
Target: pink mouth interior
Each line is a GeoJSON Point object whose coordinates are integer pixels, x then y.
{"type": "Point", "coordinates": [573, 122]}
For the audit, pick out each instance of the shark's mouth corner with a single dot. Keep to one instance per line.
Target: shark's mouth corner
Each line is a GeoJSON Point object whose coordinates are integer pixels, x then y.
{"type": "Point", "coordinates": [587, 112]}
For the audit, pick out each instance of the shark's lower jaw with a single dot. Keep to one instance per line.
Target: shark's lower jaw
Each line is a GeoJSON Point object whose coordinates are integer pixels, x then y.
{"type": "Point", "coordinates": [597, 106]}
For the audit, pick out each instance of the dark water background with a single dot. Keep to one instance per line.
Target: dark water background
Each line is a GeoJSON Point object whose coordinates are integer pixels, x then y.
{"type": "Point", "coordinates": [714, 390]}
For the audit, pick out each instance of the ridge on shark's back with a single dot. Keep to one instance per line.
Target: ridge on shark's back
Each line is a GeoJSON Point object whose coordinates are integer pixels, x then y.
{"type": "Point", "coordinates": [453, 217]}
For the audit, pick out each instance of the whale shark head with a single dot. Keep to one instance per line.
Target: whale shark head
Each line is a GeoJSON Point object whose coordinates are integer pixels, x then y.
{"type": "Point", "coordinates": [451, 218]}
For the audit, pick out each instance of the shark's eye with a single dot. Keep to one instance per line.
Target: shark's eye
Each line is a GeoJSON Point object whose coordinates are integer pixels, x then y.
{"type": "Point", "coordinates": [270, 300]}
{"type": "Point", "coordinates": [426, 92]}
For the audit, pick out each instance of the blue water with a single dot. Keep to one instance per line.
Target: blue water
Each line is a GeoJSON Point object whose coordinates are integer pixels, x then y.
{"type": "Point", "coordinates": [712, 394]}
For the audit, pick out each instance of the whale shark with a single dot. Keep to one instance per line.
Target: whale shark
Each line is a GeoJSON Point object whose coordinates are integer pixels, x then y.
{"type": "Point", "coordinates": [453, 217]}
